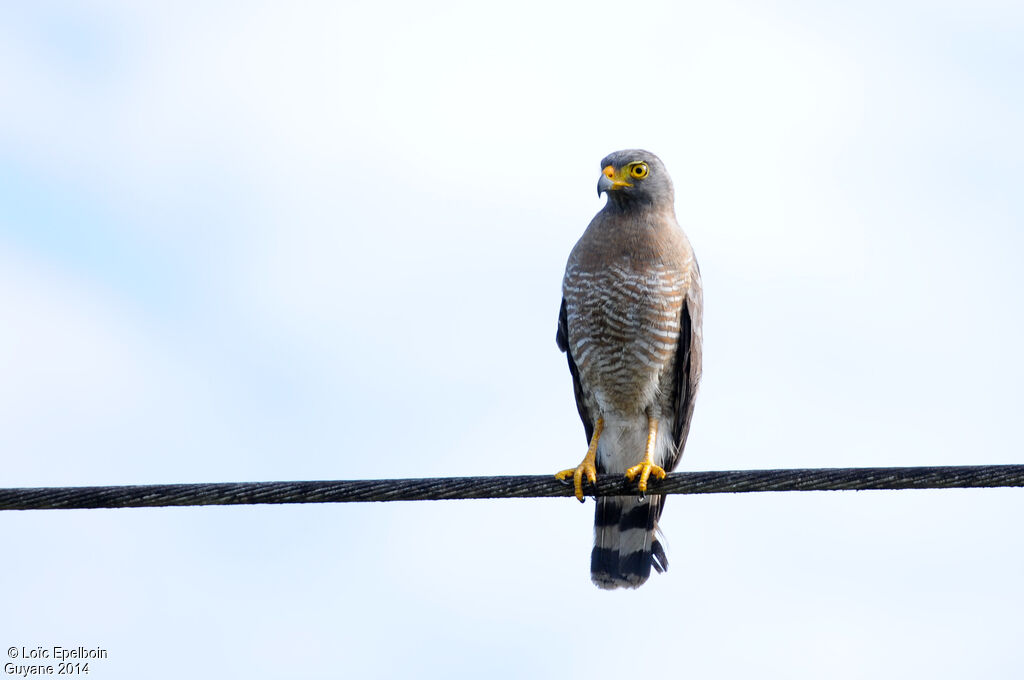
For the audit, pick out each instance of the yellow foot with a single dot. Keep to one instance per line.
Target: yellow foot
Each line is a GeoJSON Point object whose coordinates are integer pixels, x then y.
{"type": "Point", "coordinates": [645, 470]}
{"type": "Point", "coordinates": [588, 467]}
{"type": "Point", "coordinates": [647, 467]}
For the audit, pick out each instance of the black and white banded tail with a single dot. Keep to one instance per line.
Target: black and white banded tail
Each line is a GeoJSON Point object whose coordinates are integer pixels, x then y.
{"type": "Point", "coordinates": [625, 544]}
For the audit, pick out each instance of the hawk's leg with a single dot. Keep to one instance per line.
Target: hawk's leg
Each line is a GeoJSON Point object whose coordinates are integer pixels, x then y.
{"type": "Point", "coordinates": [589, 465]}
{"type": "Point", "coordinates": [647, 468]}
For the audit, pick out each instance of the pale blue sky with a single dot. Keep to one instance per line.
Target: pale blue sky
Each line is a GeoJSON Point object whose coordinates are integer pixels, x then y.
{"type": "Point", "coordinates": [325, 240]}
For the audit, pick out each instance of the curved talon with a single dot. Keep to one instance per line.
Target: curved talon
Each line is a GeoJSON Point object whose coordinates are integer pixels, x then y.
{"type": "Point", "coordinates": [585, 468]}
{"type": "Point", "coordinates": [645, 470]}
{"type": "Point", "coordinates": [588, 466]}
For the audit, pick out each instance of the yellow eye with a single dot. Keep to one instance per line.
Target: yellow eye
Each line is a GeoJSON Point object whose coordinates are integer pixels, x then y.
{"type": "Point", "coordinates": [638, 170]}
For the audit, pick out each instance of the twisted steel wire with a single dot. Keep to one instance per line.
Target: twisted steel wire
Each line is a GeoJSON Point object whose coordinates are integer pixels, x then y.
{"type": "Point", "coordinates": [537, 486]}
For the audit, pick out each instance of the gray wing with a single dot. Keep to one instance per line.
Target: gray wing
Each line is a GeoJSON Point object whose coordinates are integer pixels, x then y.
{"type": "Point", "coordinates": [687, 365]}
{"type": "Point", "coordinates": [562, 339]}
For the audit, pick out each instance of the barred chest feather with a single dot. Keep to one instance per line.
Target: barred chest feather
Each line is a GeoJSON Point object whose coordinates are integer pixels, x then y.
{"type": "Point", "coordinates": [623, 330]}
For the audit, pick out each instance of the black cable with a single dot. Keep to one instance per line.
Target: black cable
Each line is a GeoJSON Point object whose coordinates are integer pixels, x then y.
{"type": "Point", "coordinates": [541, 486]}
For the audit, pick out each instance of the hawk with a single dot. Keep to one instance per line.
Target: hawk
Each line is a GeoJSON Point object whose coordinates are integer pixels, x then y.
{"type": "Point", "coordinates": [630, 325]}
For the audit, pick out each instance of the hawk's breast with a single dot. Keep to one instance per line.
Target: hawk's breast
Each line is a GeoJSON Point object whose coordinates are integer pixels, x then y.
{"type": "Point", "coordinates": [623, 323]}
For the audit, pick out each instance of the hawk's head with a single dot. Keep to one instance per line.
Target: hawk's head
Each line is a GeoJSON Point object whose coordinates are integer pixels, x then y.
{"type": "Point", "coordinates": [635, 176]}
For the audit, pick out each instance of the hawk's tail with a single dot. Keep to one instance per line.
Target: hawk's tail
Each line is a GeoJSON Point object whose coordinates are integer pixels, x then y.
{"type": "Point", "coordinates": [625, 545]}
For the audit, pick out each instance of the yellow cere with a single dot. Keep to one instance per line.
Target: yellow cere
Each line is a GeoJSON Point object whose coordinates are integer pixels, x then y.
{"type": "Point", "coordinates": [617, 178]}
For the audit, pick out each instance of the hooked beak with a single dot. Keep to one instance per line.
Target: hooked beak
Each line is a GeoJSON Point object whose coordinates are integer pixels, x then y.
{"type": "Point", "coordinates": [610, 181]}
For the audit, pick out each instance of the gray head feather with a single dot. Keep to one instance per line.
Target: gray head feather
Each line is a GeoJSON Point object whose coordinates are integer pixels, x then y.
{"type": "Point", "coordinates": [655, 189]}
